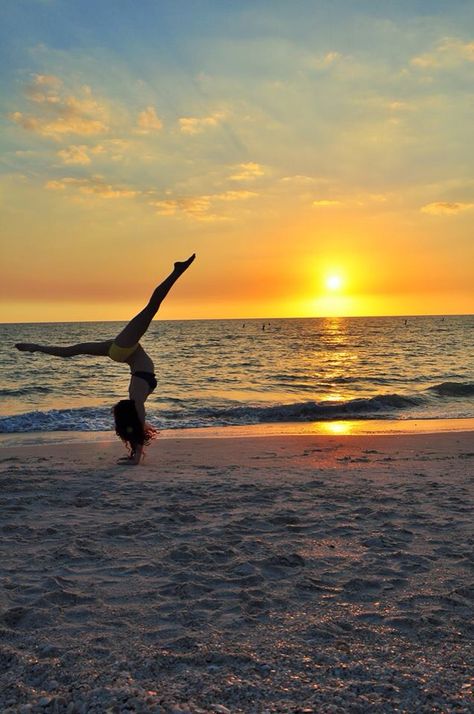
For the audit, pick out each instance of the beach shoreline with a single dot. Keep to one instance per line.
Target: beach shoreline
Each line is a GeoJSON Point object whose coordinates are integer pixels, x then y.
{"type": "Point", "coordinates": [349, 427]}
{"type": "Point", "coordinates": [277, 573]}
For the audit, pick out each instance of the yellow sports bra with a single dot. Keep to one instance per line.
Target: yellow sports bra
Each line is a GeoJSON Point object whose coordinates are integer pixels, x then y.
{"type": "Point", "coordinates": [121, 354]}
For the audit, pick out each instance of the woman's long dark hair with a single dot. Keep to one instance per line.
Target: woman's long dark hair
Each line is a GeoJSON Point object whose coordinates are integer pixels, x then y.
{"type": "Point", "coordinates": [129, 427]}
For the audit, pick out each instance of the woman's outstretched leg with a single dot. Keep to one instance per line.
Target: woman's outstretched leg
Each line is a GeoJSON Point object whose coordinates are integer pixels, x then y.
{"type": "Point", "coordinates": [96, 349]}
{"type": "Point", "coordinates": [138, 325]}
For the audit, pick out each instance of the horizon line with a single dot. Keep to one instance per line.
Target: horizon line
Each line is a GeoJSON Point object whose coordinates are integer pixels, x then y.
{"type": "Point", "coordinates": [240, 319]}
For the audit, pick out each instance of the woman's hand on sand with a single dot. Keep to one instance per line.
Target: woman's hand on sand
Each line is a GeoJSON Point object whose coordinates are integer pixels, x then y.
{"type": "Point", "coordinates": [127, 461]}
{"type": "Point", "coordinates": [132, 459]}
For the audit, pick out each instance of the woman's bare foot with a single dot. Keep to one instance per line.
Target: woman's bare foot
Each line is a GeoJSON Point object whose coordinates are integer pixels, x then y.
{"type": "Point", "coordinates": [180, 267]}
{"type": "Point", "coordinates": [26, 347]}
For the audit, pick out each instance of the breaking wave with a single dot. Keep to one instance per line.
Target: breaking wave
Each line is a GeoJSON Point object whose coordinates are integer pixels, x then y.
{"type": "Point", "coordinates": [453, 389]}
{"type": "Point", "coordinates": [189, 414]}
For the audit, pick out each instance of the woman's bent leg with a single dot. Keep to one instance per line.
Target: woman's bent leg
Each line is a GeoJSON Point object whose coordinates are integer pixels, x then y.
{"type": "Point", "coordinates": [138, 325]}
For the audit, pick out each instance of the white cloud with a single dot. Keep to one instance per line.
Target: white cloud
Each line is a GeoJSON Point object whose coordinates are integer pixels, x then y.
{"type": "Point", "coordinates": [148, 121]}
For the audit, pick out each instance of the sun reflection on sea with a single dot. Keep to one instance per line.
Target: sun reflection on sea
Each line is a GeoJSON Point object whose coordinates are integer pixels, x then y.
{"type": "Point", "coordinates": [336, 427]}
{"type": "Point", "coordinates": [332, 397]}
{"type": "Point", "coordinates": [336, 358]}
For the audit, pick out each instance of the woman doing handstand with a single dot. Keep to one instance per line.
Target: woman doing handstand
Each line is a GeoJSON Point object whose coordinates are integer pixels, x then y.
{"type": "Point", "coordinates": [129, 414]}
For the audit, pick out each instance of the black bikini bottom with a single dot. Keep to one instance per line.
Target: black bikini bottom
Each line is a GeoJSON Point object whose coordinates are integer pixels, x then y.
{"type": "Point", "coordinates": [149, 378]}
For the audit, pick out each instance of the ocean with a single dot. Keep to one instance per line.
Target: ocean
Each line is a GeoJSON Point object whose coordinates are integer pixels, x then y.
{"type": "Point", "coordinates": [242, 372]}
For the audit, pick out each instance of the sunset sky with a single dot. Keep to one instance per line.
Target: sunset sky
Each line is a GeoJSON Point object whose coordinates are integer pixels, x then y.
{"type": "Point", "coordinates": [317, 156]}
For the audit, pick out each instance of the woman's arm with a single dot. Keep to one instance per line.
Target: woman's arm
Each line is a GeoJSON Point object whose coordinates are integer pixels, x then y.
{"type": "Point", "coordinates": [140, 407]}
{"type": "Point", "coordinates": [137, 455]}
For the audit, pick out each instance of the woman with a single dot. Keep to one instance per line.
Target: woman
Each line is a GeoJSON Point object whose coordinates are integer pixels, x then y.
{"type": "Point", "coordinates": [129, 414]}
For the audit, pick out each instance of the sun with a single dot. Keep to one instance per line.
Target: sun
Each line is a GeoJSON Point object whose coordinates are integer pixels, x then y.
{"type": "Point", "coordinates": [334, 282]}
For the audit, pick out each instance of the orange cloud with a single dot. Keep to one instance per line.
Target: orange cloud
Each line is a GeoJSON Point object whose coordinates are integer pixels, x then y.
{"type": "Point", "coordinates": [59, 115]}
{"type": "Point", "coordinates": [91, 187]}
{"type": "Point", "coordinates": [48, 80]}
{"type": "Point", "coordinates": [446, 208]}
{"type": "Point", "coordinates": [323, 203]}
{"type": "Point", "coordinates": [149, 121]}
{"type": "Point", "coordinates": [235, 195]}
{"type": "Point", "coordinates": [44, 89]}
{"type": "Point", "coordinates": [75, 155]}
{"type": "Point", "coordinates": [168, 207]}
{"type": "Point", "coordinates": [199, 207]}
{"type": "Point", "coordinates": [195, 125]}
{"type": "Point", "coordinates": [449, 52]}
{"type": "Point", "coordinates": [247, 172]}
{"type": "Point", "coordinates": [326, 60]}
{"type": "Point", "coordinates": [195, 206]}
{"type": "Point", "coordinates": [56, 185]}
{"type": "Point", "coordinates": [301, 179]}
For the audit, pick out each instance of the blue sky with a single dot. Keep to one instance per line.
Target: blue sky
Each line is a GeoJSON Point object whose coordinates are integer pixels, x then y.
{"type": "Point", "coordinates": [211, 121]}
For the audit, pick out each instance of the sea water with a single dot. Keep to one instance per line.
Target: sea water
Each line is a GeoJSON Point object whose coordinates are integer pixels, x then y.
{"type": "Point", "coordinates": [241, 372]}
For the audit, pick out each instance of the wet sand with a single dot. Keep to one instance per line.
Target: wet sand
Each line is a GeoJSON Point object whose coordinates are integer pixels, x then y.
{"type": "Point", "coordinates": [283, 573]}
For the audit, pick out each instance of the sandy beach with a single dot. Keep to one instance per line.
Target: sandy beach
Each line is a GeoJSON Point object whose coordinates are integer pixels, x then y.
{"type": "Point", "coordinates": [283, 573]}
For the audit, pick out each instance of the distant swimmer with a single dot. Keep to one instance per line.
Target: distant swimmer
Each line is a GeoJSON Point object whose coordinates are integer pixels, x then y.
{"type": "Point", "coordinates": [129, 414]}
